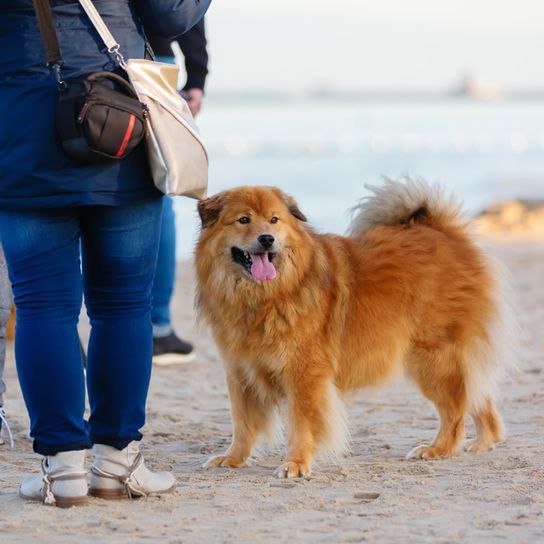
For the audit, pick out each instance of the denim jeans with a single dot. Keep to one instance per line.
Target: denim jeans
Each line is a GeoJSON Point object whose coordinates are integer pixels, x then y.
{"type": "Point", "coordinates": [165, 275]}
{"type": "Point", "coordinates": [118, 257]}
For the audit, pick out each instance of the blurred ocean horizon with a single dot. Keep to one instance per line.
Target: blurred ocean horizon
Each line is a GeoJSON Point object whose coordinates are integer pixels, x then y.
{"type": "Point", "coordinates": [324, 152]}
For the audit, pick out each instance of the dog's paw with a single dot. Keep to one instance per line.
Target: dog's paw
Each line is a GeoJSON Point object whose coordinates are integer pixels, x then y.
{"type": "Point", "coordinates": [478, 446]}
{"type": "Point", "coordinates": [426, 452]}
{"type": "Point", "coordinates": [223, 461]}
{"type": "Point", "coordinates": [292, 469]}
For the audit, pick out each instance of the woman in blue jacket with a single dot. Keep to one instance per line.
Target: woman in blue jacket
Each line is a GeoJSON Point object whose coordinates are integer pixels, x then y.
{"type": "Point", "coordinates": [49, 206]}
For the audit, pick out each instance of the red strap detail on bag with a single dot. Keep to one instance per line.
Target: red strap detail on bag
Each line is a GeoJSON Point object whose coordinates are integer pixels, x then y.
{"type": "Point", "coordinates": [127, 136]}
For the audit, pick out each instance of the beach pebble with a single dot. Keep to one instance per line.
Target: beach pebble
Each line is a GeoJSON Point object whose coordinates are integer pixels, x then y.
{"type": "Point", "coordinates": [282, 484]}
{"type": "Point", "coordinates": [366, 495]}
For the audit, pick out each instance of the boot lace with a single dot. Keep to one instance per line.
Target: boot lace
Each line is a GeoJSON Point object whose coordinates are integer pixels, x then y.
{"type": "Point", "coordinates": [48, 479]}
{"type": "Point", "coordinates": [129, 482]}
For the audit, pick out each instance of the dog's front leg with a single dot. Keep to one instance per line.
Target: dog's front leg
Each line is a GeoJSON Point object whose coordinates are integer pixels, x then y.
{"type": "Point", "coordinates": [250, 418]}
{"type": "Point", "coordinates": [314, 409]}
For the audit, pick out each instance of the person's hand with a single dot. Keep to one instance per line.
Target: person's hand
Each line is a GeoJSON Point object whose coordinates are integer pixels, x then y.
{"type": "Point", "coordinates": [194, 100]}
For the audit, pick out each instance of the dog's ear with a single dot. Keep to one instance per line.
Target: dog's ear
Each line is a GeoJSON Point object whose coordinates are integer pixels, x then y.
{"type": "Point", "coordinates": [292, 206]}
{"type": "Point", "coordinates": [210, 208]}
{"type": "Point", "coordinates": [294, 210]}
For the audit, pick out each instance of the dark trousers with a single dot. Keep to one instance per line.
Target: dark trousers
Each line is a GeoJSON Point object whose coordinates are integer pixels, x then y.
{"type": "Point", "coordinates": [115, 274]}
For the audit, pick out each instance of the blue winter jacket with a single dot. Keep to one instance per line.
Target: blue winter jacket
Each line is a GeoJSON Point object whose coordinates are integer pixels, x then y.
{"type": "Point", "coordinates": [34, 170]}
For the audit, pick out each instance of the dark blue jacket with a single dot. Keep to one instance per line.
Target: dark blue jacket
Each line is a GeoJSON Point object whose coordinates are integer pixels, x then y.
{"type": "Point", "coordinates": [34, 170]}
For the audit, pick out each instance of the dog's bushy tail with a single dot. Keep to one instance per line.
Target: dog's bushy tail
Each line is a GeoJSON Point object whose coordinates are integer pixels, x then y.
{"type": "Point", "coordinates": [491, 357]}
{"type": "Point", "coordinates": [406, 201]}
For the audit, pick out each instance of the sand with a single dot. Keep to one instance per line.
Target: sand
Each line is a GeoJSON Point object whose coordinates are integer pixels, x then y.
{"type": "Point", "coordinates": [373, 494]}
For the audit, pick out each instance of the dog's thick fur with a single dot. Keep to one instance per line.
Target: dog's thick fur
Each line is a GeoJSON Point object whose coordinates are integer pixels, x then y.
{"type": "Point", "coordinates": [408, 290]}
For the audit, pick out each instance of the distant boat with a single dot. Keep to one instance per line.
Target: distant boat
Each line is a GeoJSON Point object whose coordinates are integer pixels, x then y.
{"type": "Point", "coordinates": [479, 89]}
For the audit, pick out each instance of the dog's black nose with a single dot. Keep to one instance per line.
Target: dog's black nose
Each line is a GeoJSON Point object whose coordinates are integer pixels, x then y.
{"type": "Point", "coordinates": [266, 240]}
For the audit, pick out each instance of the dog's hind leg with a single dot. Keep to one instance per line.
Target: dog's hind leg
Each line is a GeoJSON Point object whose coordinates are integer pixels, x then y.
{"type": "Point", "coordinates": [440, 378]}
{"type": "Point", "coordinates": [489, 428]}
{"type": "Point", "coordinates": [251, 417]}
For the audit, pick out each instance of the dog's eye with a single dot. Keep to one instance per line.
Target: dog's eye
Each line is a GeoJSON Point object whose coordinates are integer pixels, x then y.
{"type": "Point", "coordinates": [274, 219]}
{"type": "Point", "coordinates": [244, 220]}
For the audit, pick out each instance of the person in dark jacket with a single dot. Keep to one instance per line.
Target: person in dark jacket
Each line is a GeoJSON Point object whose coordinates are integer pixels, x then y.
{"type": "Point", "coordinates": [168, 348]}
{"type": "Point", "coordinates": [193, 46]}
{"type": "Point", "coordinates": [50, 205]}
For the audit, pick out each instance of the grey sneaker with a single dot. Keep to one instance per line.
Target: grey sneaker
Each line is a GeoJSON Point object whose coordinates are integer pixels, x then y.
{"type": "Point", "coordinates": [4, 427]}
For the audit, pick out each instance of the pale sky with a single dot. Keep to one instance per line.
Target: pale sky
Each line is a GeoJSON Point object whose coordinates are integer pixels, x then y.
{"type": "Point", "coordinates": [360, 44]}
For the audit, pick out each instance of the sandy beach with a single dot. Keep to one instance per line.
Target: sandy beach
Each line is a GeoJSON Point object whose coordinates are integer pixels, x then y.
{"type": "Point", "coordinates": [373, 494]}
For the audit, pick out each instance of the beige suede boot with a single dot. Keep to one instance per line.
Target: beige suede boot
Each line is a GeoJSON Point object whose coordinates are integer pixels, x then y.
{"type": "Point", "coordinates": [119, 474]}
{"type": "Point", "coordinates": [63, 481]}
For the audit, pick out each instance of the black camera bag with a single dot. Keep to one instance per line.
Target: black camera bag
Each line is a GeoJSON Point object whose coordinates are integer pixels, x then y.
{"type": "Point", "coordinates": [96, 122]}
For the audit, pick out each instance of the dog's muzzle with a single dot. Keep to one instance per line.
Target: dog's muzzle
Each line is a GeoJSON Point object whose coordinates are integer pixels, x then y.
{"type": "Point", "coordinates": [258, 264]}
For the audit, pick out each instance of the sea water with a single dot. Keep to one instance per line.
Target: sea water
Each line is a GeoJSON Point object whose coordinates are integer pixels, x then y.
{"type": "Point", "coordinates": [325, 152]}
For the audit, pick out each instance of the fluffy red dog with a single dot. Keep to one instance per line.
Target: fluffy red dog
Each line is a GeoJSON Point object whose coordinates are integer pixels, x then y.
{"type": "Point", "coordinates": [302, 317]}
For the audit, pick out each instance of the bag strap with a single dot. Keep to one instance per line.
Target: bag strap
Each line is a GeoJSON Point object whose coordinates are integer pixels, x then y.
{"type": "Point", "coordinates": [48, 32]}
{"type": "Point", "coordinates": [103, 31]}
{"type": "Point", "coordinates": [50, 39]}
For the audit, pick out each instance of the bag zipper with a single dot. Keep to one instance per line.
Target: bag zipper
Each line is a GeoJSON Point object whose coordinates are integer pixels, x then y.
{"type": "Point", "coordinates": [85, 109]}
{"type": "Point", "coordinates": [83, 112]}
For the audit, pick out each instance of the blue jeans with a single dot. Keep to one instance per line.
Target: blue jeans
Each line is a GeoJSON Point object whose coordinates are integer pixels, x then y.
{"type": "Point", "coordinates": [165, 275]}
{"type": "Point", "coordinates": [118, 257]}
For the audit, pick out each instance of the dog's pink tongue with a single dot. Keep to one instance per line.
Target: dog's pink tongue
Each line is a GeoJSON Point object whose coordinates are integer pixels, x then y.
{"type": "Point", "coordinates": [262, 268]}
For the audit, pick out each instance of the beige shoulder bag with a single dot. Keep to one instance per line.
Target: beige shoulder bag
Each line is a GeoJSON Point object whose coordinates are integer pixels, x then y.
{"type": "Point", "coordinates": [176, 154]}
